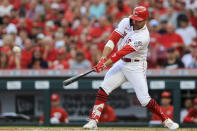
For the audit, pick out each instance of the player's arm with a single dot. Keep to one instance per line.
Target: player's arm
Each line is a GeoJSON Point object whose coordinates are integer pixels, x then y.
{"type": "Point", "coordinates": [188, 118]}
{"type": "Point", "coordinates": [132, 46]}
{"type": "Point", "coordinates": [119, 54]}
{"type": "Point", "coordinates": [65, 116]}
{"type": "Point", "coordinates": [112, 42]}
{"type": "Point", "coordinates": [115, 57]}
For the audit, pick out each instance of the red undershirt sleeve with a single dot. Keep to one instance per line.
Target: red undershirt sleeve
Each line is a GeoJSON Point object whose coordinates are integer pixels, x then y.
{"type": "Point", "coordinates": [188, 118]}
{"type": "Point", "coordinates": [115, 37]}
{"type": "Point", "coordinates": [124, 51]}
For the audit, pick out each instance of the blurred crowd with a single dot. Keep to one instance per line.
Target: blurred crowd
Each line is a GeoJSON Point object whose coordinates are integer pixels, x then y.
{"type": "Point", "coordinates": [62, 34]}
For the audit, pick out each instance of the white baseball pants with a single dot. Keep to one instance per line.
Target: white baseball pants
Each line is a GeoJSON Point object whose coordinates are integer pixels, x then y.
{"type": "Point", "coordinates": [134, 72]}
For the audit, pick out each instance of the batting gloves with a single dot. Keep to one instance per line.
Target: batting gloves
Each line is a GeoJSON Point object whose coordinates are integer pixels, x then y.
{"type": "Point", "coordinates": [101, 65]}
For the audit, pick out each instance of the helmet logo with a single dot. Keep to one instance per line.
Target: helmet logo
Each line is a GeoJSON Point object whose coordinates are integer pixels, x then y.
{"type": "Point", "coordinates": [135, 13]}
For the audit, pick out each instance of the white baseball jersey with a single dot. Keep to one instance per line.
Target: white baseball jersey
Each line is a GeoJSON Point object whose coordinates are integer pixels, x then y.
{"type": "Point", "coordinates": [133, 72]}
{"type": "Point", "coordinates": [138, 39]}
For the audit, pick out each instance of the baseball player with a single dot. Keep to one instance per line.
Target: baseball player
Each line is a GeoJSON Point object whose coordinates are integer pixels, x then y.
{"type": "Point", "coordinates": [58, 114]}
{"type": "Point", "coordinates": [132, 39]}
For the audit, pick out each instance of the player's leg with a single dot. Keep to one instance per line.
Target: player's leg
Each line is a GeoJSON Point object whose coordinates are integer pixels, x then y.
{"type": "Point", "coordinates": [113, 79]}
{"type": "Point", "coordinates": [137, 78]}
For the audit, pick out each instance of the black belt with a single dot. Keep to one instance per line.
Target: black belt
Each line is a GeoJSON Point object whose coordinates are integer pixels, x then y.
{"type": "Point", "coordinates": [130, 60]}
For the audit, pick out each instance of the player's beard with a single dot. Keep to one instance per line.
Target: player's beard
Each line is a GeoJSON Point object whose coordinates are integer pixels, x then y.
{"type": "Point", "coordinates": [138, 25]}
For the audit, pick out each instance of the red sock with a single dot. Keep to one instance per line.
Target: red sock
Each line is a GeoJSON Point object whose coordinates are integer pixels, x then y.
{"type": "Point", "coordinates": [99, 105]}
{"type": "Point", "coordinates": [154, 108]}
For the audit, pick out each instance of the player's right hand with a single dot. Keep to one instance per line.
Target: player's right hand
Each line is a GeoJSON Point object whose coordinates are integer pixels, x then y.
{"type": "Point", "coordinates": [102, 60]}
{"type": "Point", "coordinates": [100, 65]}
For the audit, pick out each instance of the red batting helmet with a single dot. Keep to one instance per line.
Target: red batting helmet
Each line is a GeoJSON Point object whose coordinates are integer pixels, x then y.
{"type": "Point", "coordinates": [166, 94]}
{"type": "Point", "coordinates": [140, 13]}
{"type": "Point", "coordinates": [55, 97]}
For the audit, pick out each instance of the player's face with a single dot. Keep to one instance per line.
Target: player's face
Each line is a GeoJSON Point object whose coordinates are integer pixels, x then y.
{"type": "Point", "coordinates": [188, 103]}
{"type": "Point", "coordinates": [165, 101]}
{"type": "Point", "coordinates": [138, 24]}
{"type": "Point", "coordinates": [55, 103]}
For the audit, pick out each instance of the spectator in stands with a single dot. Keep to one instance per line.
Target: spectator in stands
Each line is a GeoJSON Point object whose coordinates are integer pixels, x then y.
{"type": "Point", "coordinates": [108, 114]}
{"type": "Point", "coordinates": [5, 8]}
{"type": "Point", "coordinates": [31, 12]}
{"type": "Point", "coordinates": [154, 43]}
{"type": "Point", "coordinates": [80, 62]}
{"type": "Point", "coordinates": [192, 17]}
{"type": "Point", "coordinates": [15, 60]}
{"type": "Point", "coordinates": [166, 107]}
{"type": "Point", "coordinates": [190, 4]}
{"type": "Point", "coordinates": [72, 55]}
{"type": "Point", "coordinates": [172, 61]}
{"type": "Point", "coordinates": [50, 52]}
{"type": "Point", "coordinates": [171, 39]}
{"type": "Point", "coordinates": [5, 21]}
{"type": "Point", "coordinates": [40, 40]}
{"type": "Point", "coordinates": [191, 117]}
{"type": "Point", "coordinates": [64, 21]}
{"type": "Point", "coordinates": [50, 28]}
{"type": "Point", "coordinates": [4, 61]}
{"type": "Point", "coordinates": [61, 63]}
{"type": "Point", "coordinates": [24, 23]}
{"type": "Point", "coordinates": [95, 54]}
{"type": "Point", "coordinates": [40, 9]}
{"type": "Point", "coordinates": [187, 106]}
{"type": "Point", "coordinates": [59, 38]}
{"type": "Point", "coordinates": [24, 36]}
{"type": "Point", "coordinates": [36, 30]}
{"type": "Point", "coordinates": [160, 9]}
{"type": "Point", "coordinates": [186, 31]}
{"type": "Point", "coordinates": [27, 53]}
{"type": "Point", "coordinates": [12, 30]}
{"type": "Point", "coordinates": [171, 16]}
{"type": "Point", "coordinates": [190, 59]}
{"type": "Point", "coordinates": [161, 57]}
{"type": "Point", "coordinates": [96, 9]}
{"type": "Point", "coordinates": [58, 114]}
{"type": "Point", "coordinates": [8, 44]}
{"type": "Point", "coordinates": [53, 14]}
{"type": "Point", "coordinates": [37, 61]}
{"type": "Point", "coordinates": [163, 27]}
{"type": "Point", "coordinates": [122, 9]}
{"type": "Point", "coordinates": [154, 35]}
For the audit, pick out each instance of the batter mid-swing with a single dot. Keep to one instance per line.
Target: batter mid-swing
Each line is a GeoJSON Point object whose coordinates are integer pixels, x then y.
{"type": "Point", "coordinates": [132, 38]}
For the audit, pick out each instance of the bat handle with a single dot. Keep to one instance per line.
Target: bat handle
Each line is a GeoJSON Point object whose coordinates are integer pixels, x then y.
{"type": "Point", "coordinates": [94, 69]}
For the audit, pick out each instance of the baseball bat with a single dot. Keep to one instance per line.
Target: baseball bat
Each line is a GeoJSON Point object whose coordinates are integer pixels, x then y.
{"type": "Point", "coordinates": [77, 77]}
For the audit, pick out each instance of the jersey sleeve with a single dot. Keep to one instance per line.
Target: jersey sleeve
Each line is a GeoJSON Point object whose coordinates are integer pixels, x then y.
{"type": "Point", "coordinates": [124, 51]}
{"type": "Point", "coordinates": [138, 42]}
{"type": "Point", "coordinates": [65, 116]}
{"type": "Point", "coordinates": [122, 25]}
{"type": "Point", "coordinates": [188, 118]}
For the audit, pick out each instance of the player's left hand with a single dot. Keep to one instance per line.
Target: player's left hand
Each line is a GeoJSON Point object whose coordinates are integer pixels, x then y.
{"type": "Point", "coordinates": [102, 60]}
{"type": "Point", "coordinates": [100, 67]}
